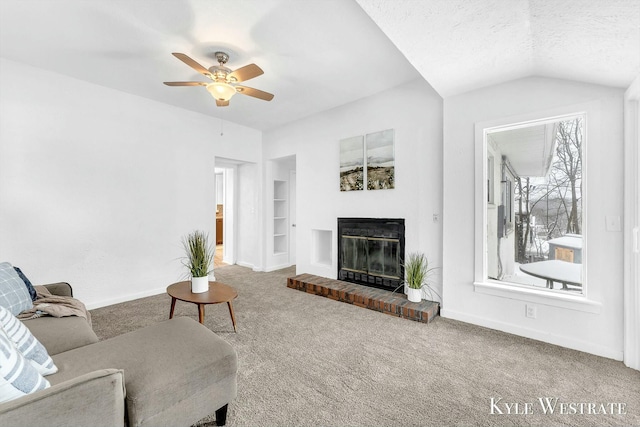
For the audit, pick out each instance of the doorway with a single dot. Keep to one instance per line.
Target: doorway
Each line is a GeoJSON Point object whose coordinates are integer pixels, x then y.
{"type": "Point", "coordinates": [225, 214]}
{"type": "Point", "coordinates": [218, 260]}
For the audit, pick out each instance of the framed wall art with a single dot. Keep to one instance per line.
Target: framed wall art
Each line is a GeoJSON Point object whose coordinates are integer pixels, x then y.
{"type": "Point", "coordinates": [352, 164]}
{"type": "Point", "coordinates": [380, 160]}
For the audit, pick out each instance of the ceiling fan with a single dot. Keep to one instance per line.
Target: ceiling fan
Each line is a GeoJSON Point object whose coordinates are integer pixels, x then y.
{"type": "Point", "coordinates": [224, 81]}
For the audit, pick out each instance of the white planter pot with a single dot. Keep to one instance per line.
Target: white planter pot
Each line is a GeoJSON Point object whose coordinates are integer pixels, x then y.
{"type": "Point", "coordinates": [414, 295]}
{"type": "Point", "coordinates": [199, 284]}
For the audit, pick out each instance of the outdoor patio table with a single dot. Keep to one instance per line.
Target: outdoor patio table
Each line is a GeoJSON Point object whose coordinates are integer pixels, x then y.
{"type": "Point", "coordinates": [555, 271]}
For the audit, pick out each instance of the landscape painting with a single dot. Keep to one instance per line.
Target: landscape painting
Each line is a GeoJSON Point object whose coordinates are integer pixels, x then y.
{"type": "Point", "coordinates": [380, 160]}
{"type": "Point", "coordinates": [352, 164]}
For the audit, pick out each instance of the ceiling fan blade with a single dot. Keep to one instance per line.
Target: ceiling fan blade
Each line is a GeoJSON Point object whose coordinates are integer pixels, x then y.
{"type": "Point", "coordinates": [222, 103]}
{"type": "Point", "coordinates": [185, 83]}
{"type": "Point", "coordinates": [256, 93]}
{"type": "Point", "coordinates": [245, 73]}
{"type": "Point", "coordinates": [191, 63]}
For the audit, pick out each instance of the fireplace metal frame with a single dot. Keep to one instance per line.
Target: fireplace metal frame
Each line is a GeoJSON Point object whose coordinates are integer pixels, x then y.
{"type": "Point", "coordinates": [387, 229]}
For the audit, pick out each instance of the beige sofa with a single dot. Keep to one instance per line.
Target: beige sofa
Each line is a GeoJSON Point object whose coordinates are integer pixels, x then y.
{"type": "Point", "coordinates": [173, 373]}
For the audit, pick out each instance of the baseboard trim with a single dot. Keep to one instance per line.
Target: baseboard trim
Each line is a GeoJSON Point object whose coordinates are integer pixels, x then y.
{"type": "Point", "coordinates": [248, 265]}
{"type": "Point", "coordinates": [125, 298]}
{"type": "Point", "coordinates": [547, 337]}
{"type": "Point", "coordinates": [277, 267]}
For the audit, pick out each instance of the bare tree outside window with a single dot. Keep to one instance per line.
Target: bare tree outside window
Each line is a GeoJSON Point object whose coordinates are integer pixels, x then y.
{"type": "Point", "coordinates": [551, 207]}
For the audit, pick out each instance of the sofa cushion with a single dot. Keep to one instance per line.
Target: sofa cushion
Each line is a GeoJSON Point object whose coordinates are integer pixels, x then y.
{"type": "Point", "coordinates": [59, 334]}
{"type": "Point", "coordinates": [17, 376]}
{"type": "Point", "coordinates": [26, 343]}
{"type": "Point", "coordinates": [176, 372]}
{"type": "Point", "coordinates": [14, 295]}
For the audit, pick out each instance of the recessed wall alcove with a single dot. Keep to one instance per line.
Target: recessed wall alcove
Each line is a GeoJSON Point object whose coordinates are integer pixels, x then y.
{"type": "Point", "coordinates": [321, 244]}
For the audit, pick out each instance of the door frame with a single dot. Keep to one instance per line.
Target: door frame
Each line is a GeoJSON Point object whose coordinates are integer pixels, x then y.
{"type": "Point", "coordinates": [631, 226]}
{"type": "Point", "coordinates": [293, 232]}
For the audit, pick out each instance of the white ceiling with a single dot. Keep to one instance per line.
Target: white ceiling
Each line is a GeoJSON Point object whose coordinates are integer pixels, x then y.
{"type": "Point", "coordinates": [319, 54]}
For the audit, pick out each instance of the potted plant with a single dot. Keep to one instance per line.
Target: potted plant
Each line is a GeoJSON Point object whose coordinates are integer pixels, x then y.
{"type": "Point", "coordinates": [199, 260]}
{"type": "Point", "coordinates": [416, 271]}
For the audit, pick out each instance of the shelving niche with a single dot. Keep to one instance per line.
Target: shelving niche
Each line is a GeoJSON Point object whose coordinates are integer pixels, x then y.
{"type": "Point", "coordinates": [280, 217]}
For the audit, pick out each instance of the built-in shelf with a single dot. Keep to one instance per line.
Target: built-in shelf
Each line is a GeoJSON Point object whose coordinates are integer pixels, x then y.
{"type": "Point", "coordinates": [280, 217]}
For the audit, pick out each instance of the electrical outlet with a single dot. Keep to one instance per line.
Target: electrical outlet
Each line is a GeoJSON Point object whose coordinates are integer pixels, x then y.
{"type": "Point", "coordinates": [531, 311]}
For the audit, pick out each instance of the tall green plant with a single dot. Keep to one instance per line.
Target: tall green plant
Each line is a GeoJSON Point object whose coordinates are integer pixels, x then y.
{"type": "Point", "coordinates": [416, 269]}
{"type": "Point", "coordinates": [417, 272]}
{"type": "Point", "coordinates": [199, 259]}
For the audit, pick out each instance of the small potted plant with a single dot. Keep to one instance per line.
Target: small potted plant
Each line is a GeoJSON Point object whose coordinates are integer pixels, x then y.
{"type": "Point", "coordinates": [199, 260]}
{"type": "Point", "coordinates": [416, 270]}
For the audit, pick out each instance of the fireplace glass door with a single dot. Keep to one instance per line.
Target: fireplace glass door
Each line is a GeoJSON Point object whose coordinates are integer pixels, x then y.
{"type": "Point", "coordinates": [383, 258]}
{"type": "Point", "coordinates": [354, 253]}
{"type": "Point", "coordinates": [375, 256]}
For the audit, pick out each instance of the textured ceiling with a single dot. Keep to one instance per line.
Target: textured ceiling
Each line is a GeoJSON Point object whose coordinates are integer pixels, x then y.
{"type": "Point", "coordinates": [461, 45]}
{"type": "Point", "coordinates": [319, 54]}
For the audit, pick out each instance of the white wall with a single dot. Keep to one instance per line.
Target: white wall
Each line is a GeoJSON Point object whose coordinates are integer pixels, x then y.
{"type": "Point", "coordinates": [249, 235]}
{"type": "Point", "coordinates": [97, 187]}
{"type": "Point", "coordinates": [414, 111]}
{"type": "Point", "coordinates": [595, 326]}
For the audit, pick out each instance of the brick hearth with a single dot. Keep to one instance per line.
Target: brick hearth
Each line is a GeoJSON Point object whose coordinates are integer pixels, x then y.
{"type": "Point", "coordinates": [393, 303]}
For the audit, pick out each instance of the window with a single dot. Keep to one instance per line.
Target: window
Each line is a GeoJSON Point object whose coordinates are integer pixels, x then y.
{"type": "Point", "coordinates": [533, 231]}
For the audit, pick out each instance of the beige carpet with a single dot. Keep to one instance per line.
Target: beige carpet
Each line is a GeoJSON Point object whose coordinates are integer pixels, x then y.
{"type": "Point", "coordinates": [306, 360]}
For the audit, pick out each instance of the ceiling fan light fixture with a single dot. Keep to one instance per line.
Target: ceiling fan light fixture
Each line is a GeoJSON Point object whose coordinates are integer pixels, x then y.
{"type": "Point", "coordinates": [222, 88]}
{"type": "Point", "coordinates": [221, 91]}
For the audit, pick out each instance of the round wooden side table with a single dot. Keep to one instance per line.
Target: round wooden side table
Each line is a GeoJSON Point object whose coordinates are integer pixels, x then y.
{"type": "Point", "coordinates": [217, 293]}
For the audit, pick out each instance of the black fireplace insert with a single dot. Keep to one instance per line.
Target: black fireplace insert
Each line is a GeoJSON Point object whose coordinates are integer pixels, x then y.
{"type": "Point", "coordinates": [371, 251]}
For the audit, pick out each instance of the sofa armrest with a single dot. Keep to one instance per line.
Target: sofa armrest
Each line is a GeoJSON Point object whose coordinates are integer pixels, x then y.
{"type": "Point", "coordinates": [62, 289]}
{"type": "Point", "coordinates": [96, 397]}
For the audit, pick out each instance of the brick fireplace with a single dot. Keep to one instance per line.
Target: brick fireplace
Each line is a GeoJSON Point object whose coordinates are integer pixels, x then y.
{"type": "Point", "coordinates": [371, 252]}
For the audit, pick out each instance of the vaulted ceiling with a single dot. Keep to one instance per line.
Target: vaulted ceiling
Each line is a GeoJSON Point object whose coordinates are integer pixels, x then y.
{"type": "Point", "coordinates": [320, 54]}
{"type": "Point", "coordinates": [461, 45]}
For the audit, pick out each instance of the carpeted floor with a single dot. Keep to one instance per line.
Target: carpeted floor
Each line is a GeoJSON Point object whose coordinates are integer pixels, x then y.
{"type": "Point", "coordinates": [306, 360]}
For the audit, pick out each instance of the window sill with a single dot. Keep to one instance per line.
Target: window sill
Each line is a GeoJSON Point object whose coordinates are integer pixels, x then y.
{"type": "Point", "coordinates": [538, 296]}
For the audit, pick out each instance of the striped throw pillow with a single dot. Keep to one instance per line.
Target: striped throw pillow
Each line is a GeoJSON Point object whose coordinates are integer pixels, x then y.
{"type": "Point", "coordinates": [28, 345]}
{"type": "Point", "coordinates": [17, 376]}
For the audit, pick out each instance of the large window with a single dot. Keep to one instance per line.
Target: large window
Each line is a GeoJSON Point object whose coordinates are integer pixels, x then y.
{"type": "Point", "coordinates": [533, 216]}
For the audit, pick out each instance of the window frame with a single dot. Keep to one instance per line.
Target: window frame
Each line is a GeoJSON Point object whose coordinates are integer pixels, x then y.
{"type": "Point", "coordinates": [482, 283]}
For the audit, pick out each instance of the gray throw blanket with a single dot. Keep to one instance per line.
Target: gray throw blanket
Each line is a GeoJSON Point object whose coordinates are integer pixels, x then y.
{"type": "Point", "coordinates": [54, 305]}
